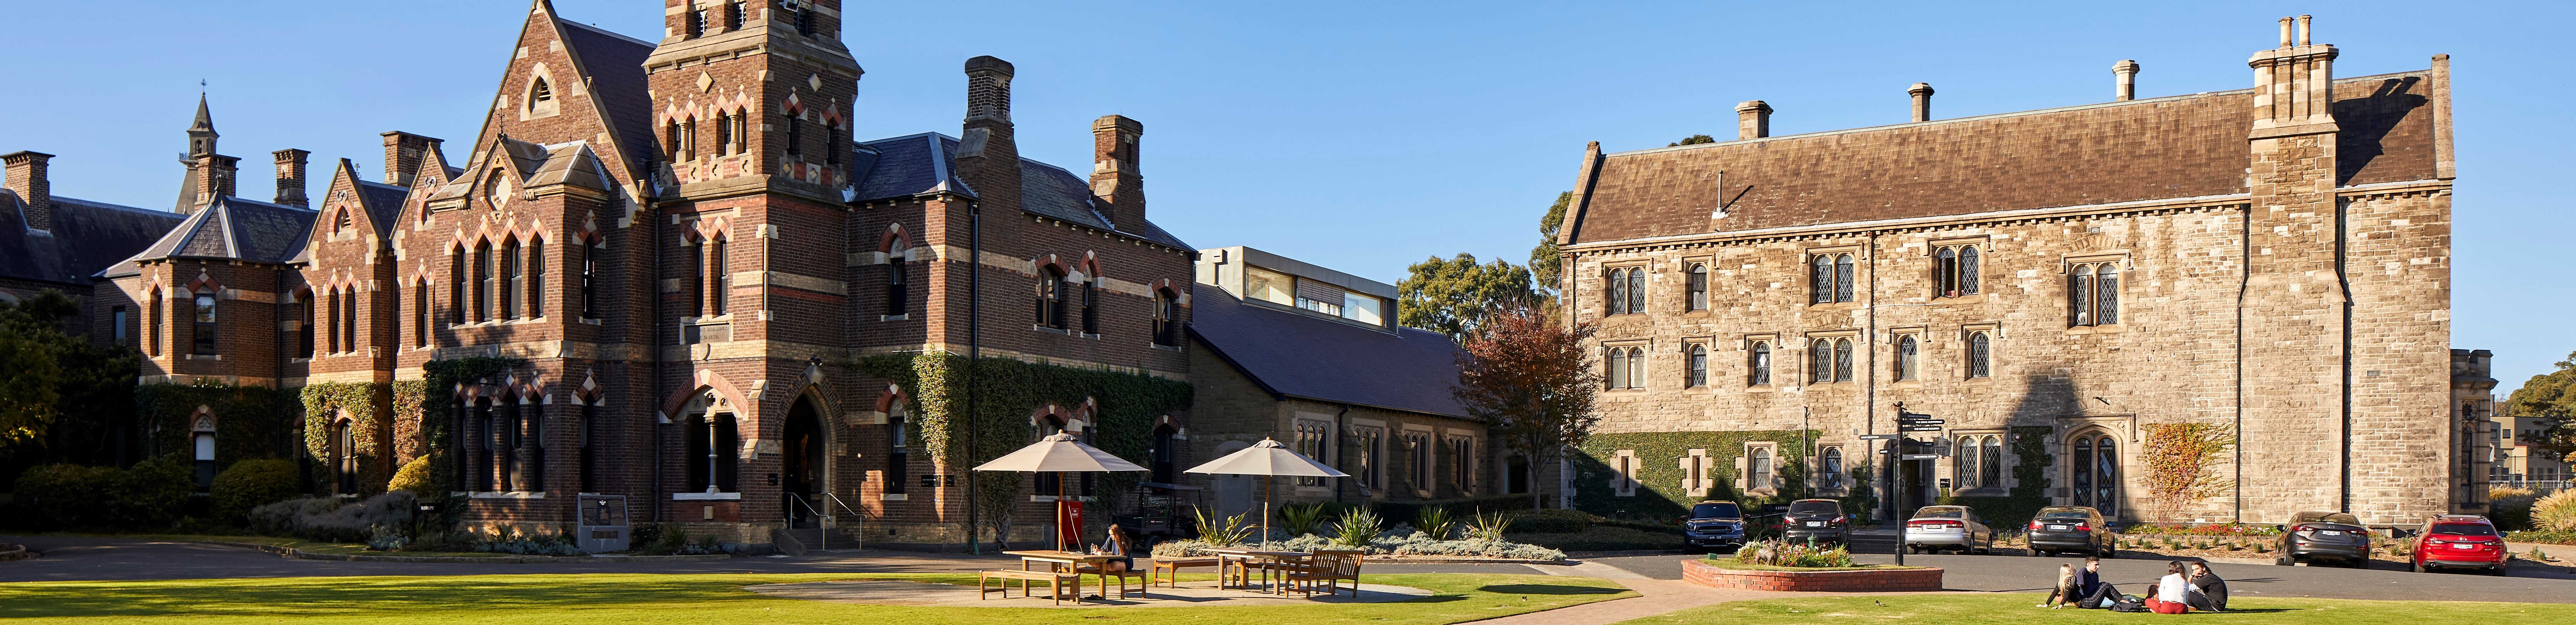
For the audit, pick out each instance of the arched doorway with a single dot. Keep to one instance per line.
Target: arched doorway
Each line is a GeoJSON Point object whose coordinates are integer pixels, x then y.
{"type": "Point", "coordinates": [2096, 471]}
{"type": "Point", "coordinates": [804, 485]}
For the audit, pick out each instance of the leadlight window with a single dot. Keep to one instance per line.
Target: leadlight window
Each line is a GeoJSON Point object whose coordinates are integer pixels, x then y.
{"type": "Point", "coordinates": [1990, 469]}
{"type": "Point", "coordinates": [1699, 286]}
{"type": "Point", "coordinates": [1980, 359]}
{"type": "Point", "coordinates": [1760, 469]}
{"type": "Point", "coordinates": [1698, 366]}
{"type": "Point", "coordinates": [1965, 462]}
{"type": "Point", "coordinates": [1909, 358]}
{"type": "Point", "coordinates": [1820, 363]}
{"type": "Point", "coordinates": [1842, 360]}
{"type": "Point", "coordinates": [1760, 364]}
{"type": "Point", "coordinates": [1617, 292]}
{"type": "Point", "coordinates": [1954, 271]}
{"type": "Point", "coordinates": [1833, 477]}
{"type": "Point", "coordinates": [2093, 294]}
{"type": "Point", "coordinates": [1627, 367]}
{"type": "Point", "coordinates": [1830, 278]}
{"type": "Point", "coordinates": [1637, 290]}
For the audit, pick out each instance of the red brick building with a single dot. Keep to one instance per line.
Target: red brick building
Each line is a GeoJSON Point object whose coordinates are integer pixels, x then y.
{"type": "Point", "coordinates": [686, 252]}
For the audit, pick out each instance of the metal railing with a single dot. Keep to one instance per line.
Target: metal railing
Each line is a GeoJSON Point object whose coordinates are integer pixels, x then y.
{"type": "Point", "coordinates": [826, 522]}
{"type": "Point", "coordinates": [2533, 484]}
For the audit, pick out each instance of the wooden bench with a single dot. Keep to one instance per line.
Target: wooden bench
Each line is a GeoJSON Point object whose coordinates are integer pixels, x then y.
{"type": "Point", "coordinates": [1329, 567]}
{"type": "Point", "coordinates": [1169, 571]}
{"type": "Point", "coordinates": [1055, 583]}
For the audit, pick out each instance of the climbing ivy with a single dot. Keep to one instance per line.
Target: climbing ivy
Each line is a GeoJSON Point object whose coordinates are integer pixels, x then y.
{"type": "Point", "coordinates": [250, 421]}
{"type": "Point", "coordinates": [2030, 475]}
{"type": "Point", "coordinates": [323, 403]}
{"type": "Point", "coordinates": [2178, 457]}
{"type": "Point", "coordinates": [436, 414]}
{"type": "Point", "coordinates": [1659, 473]}
{"type": "Point", "coordinates": [1006, 391]}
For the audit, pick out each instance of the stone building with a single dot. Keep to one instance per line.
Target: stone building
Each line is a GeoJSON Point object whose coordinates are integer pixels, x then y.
{"type": "Point", "coordinates": [2067, 289]}
{"type": "Point", "coordinates": [1311, 357]}
{"type": "Point", "coordinates": [664, 272]}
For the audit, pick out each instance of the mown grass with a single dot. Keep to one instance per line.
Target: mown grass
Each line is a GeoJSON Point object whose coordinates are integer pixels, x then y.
{"type": "Point", "coordinates": [636, 599]}
{"type": "Point", "coordinates": [306, 546]}
{"type": "Point", "coordinates": [2016, 608]}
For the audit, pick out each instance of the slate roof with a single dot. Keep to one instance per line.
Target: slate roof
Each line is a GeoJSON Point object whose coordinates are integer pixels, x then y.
{"type": "Point", "coordinates": [1297, 355]}
{"type": "Point", "coordinates": [912, 165]}
{"type": "Point", "coordinates": [617, 64]}
{"type": "Point", "coordinates": [384, 204]}
{"type": "Point", "coordinates": [230, 228]}
{"type": "Point", "coordinates": [87, 237]}
{"type": "Point", "coordinates": [2159, 148]}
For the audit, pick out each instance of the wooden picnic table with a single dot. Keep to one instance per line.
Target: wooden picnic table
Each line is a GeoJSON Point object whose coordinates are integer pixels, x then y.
{"type": "Point", "coordinates": [1071, 561]}
{"type": "Point", "coordinates": [1241, 557]}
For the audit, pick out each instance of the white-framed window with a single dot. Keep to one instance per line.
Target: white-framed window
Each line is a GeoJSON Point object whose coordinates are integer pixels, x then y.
{"type": "Point", "coordinates": [1310, 442]}
{"type": "Point", "coordinates": [1626, 368]}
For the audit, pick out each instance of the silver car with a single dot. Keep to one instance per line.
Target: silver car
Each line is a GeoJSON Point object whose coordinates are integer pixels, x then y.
{"type": "Point", "coordinates": [1936, 528]}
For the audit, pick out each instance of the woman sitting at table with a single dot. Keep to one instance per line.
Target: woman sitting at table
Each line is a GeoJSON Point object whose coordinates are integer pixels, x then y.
{"type": "Point", "coordinates": [1117, 546]}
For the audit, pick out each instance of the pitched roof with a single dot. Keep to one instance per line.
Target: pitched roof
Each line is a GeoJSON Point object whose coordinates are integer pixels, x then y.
{"type": "Point", "coordinates": [2173, 147]}
{"type": "Point", "coordinates": [87, 237]}
{"type": "Point", "coordinates": [616, 62]}
{"type": "Point", "coordinates": [1296, 355]}
{"type": "Point", "coordinates": [384, 204]}
{"type": "Point", "coordinates": [230, 228]}
{"type": "Point", "coordinates": [911, 165]}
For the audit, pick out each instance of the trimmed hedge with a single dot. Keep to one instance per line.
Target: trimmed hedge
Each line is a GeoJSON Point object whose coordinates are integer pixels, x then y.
{"type": "Point", "coordinates": [250, 483]}
{"type": "Point", "coordinates": [151, 494]}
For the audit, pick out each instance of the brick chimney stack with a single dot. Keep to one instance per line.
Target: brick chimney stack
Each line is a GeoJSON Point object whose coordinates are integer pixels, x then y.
{"type": "Point", "coordinates": [290, 177]}
{"type": "Point", "coordinates": [988, 158]}
{"type": "Point", "coordinates": [1116, 180]}
{"type": "Point", "coordinates": [214, 176]}
{"type": "Point", "coordinates": [1922, 93]}
{"type": "Point", "coordinates": [2126, 75]}
{"type": "Point", "coordinates": [26, 172]}
{"type": "Point", "coordinates": [403, 153]}
{"type": "Point", "coordinates": [1752, 120]}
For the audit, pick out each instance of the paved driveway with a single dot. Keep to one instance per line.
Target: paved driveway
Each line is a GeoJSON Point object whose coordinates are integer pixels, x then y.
{"type": "Point", "coordinates": [2016, 573]}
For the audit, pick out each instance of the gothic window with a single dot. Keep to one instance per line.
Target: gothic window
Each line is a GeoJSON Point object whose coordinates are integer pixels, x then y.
{"type": "Point", "coordinates": [1050, 298]}
{"type": "Point", "coordinates": [673, 140]}
{"type": "Point", "coordinates": [1759, 469]}
{"type": "Point", "coordinates": [204, 329]}
{"type": "Point", "coordinates": [1833, 477]}
{"type": "Point", "coordinates": [1462, 464]}
{"type": "Point", "coordinates": [535, 281]}
{"type": "Point", "coordinates": [1310, 443]}
{"type": "Point", "coordinates": [2106, 294]}
{"type": "Point", "coordinates": [342, 225]}
{"type": "Point", "coordinates": [2093, 294]}
{"type": "Point", "coordinates": [795, 135]}
{"type": "Point", "coordinates": [1979, 359]}
{"type": "Point", "coordinates": [304, 336]}
{"type": "Point", "coordinates": [344, 457]}
{"type": "Point", "coordinates": [1617, 292]}
{"type": "Point", "coordinates": [1698, 366]}
{"type": "Point", "coordinates": [1990, 471]}
{"type": "Point", "coordinates": [1842, 360]}
{"type": "Point", "coordinates": [456, 287]}
{"type": "Point", "coordinates": [541, 97]}
{"type": "Point", "coordinates": [1820, 362]}
{"type": "Point", "coordinates": [719, 278]}
{"type": "Point", "coordinates": [1830, 279]}
{"type": "Point", "coordinates": [348, 321]}
{"type": "Point", "coordinates": [158, 310]}
{"type": "Point", "coordinates": [1627, 367]}
{"type": "Point", "coordinates": [420, 314]}
{"type": "Point", "coordinates": [1637, 290]}
{"type": "Point", "coordinates": [1761, 364]}
{"type": "Point", "coordinates": [1618, 368]}
{"type": "Point", "coordinates": [1367, 439]}
{"type": "Point", "coordinates": [2097, 473]}
{"type": "Point", "coordinates": [1909, 358]}
{"type": "Point", "coordinates": [393, 317]}
{"type": "Point", "coordinates": [1090, 308]}
{"type": "Point", "coordinates": [1699, 286]}
{"type": "Point", "coordinates": [589, 280]}
{"type": "Point", "coordinates": [1167, 318]}
{"type": "Point", "coordinates": [726, 134]}
{"type": "Point", "coordinates": [1964, 467]}
{"type": "Point", "coordinates": [1843, 278]}
{"type": "Point", "coordinates": [486, 282]}
{"type": "Point", "coordinates": [697, 286]}
{"type": "Point", "coordinates": [896, 293]}
{"type": "Point", "coordinates": [1954, 269]}
{"type": "Point", "coordinates": [514, 280]}
{"type": "Point", "coordinates": [898, 450]}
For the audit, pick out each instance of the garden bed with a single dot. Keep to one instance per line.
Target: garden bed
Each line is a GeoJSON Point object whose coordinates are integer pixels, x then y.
{"type": "Point", "coordinates": [1881, 578]}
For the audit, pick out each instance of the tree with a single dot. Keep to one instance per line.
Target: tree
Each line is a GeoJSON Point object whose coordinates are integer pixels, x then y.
{"type": "Point", "coordinates": [2550, 397]}
{"type": "Point", "coordinates": [1531, 380]}
{"type": "Point", "coordinates": [1693, 140]}
{"type": "Point", "coordinates": [1454, 296]}
{"type": "Point", "coordinates": [1547, 267]}
{"type": "Point", "coordinates": [62, 398]}
{"type": "Point", "coordinates": [31, 345]}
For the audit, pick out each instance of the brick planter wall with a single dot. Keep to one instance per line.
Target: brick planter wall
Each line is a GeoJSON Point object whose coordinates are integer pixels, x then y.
{"type": "Point", "coordinates": [1699, 572]}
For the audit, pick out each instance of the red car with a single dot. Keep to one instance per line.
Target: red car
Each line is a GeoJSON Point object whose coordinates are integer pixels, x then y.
{"type": "Point", "coordinates": [2461, 541]}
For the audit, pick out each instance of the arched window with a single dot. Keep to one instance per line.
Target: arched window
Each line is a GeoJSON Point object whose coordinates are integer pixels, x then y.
{"type": "Point", "coordinates": [2079, 296]}
{"type": "Point", "coordinates": [897, 293]}
{"type": "Point", "coordinates": [2106, 294]}
{"type": "Point", "coordinates": [1698, 366]}
{"type": "Point", "coordinates": [675, 140]}
{"type": "Point", "coordinates": [1699, 286]}
{"type": "Point", "coordinates": [1820, 280]}
{"type": "Point", "coordinates": [1968, 270]}
{"type": "Point", "coordinates": [204, 329]}
{"type": "Point", "coordinates": [1979, 359]}
{"type": "Point", "coordinates": [719, 277]}
{"type": "Point", "coordinates": [1637, 290]}
{"type": "Point", "coordinates": [456, 286]}
{"type": "Point", "coordinates": [1833, 467]}
{"type": "Point", "coordinates": [1167, 318]}
{"type": "Point", "coordinates": [1955, 271]}
{"type": "Point", "coordinates": [343, 225]}
{"type": "Point", "coordinates": [348, 322]}
{"type": "Point", "coordinates": [1820, 362]}
{"type": "Point", "coordinates": [1991, 471]}
{"type": "Point", "coordinates": [898, 449]}
{"type": "Point", "coordinates": [487, 276]}
{"type": "Point", "coordinates": [1761, 469]}
{"type": "Point", "coordinates": [1842, 360]}
{"type": "Point", "coordinates": [1909, 358]}
{"type": "Point", "coordinates": [697, 286]}
{"type": "Point", "coordinates": [1050, 297]}
{"type": "Point", "coordinates": [1618, 367]}
{"type": "Point", "coordinates": [331, 333]}
{"type": "Point", "coordinates": [535, 278]}
{"type": "Point", "coordinates": [541, 93]}
{"type": "Point", "coordinates": [420, 314]}
{"type": "Point", "coordinates": [2083, 470]}
{"type": "Point", "coordinates": [1617, 297]}
{"type": "Point", "coordinates": [1090, 307]}
{"type": "Point", "coordinates": [2097, 473]}
{"type": "Point", "coordinates": [304, 335]}
{"type": "Point", "coordinates": [514, 279]}
{"type": "Point", "coordinates": [1965, 463]}
{"type": "Point", "coordinates": [1843, 278]}
{"type": "Point", "coordinates": [156, 312]}
{"type": "Point", "coordinates": [344, 456]}
{"type": "Point", "coordinates": [1636, 367]}
{"type": "Point", "coordinates": [1761, 364]}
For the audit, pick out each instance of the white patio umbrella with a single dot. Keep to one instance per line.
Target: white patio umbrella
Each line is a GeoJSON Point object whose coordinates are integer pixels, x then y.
{"type": "Point", "coordinates": [1267, 458]}
{"type": "Point", "coordinates": [1059, 453]}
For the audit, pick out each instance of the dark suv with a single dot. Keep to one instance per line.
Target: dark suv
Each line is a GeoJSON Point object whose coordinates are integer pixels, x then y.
{"type": "Point", "coordinates": [2071, 529]}
{"type": "Point", "coordinates": [1817, 520]}
{"type": "Point", "coordinates": [2318, 537]}
{"type": "Point", "coordinates": [1714, 525]}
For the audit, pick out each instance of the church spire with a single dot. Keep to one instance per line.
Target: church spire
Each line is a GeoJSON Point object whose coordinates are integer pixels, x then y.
{"type": "Point", "coordinates": [201, 134]}
{"type": "Point", "coordinates": [209, 174]}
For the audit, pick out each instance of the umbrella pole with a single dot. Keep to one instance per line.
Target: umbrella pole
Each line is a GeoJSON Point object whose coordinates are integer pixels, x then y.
{"type": "Point", "coordinates": [1265, 510]}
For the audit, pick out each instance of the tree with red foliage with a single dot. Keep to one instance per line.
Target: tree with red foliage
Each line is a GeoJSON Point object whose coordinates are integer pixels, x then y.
{"type": "Point", "coordinates": [1531, 380]}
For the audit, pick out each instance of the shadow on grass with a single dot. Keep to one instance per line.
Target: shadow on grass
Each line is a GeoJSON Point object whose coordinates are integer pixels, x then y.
{"type": "Point", "coordinates": [1550, 589]}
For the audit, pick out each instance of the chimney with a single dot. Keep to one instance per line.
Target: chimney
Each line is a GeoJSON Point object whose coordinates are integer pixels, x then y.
{"type": "Point", "coordinates": [214, 176]}
{"type": "Point", "coordinates": [1115, 179]}
{"type": "Point", "coordinates": [2125, 73]}
{"type": "Point", "coordinates": [2294, 84]}
{"type": "Point", "coordinates": [290, 177]}
{"type": "Point", "coordinates": [988, 158]}
{"type": "Point", "coordinates": [26, 172]}
{"type": "Point", "coordinates": [1752, 120]}
{"type": "Point", "coordinates": [403, 154]}
{"type": "Point", "coordinates": [1922, 93]}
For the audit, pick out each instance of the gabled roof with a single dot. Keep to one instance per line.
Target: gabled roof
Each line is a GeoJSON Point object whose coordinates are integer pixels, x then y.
{"type": "Point", "coordinates": [87, 237]}
{"type": "Point", "coordinates": [1296, 355]}
{"type": "Point", "coordinates": [231, 228]}
{"type": "Point", "coordinates": [616, 62]}
{"type": "Point", "coordinates": [384, 204]}
{"type": "Point", "coordinates": [912, 165]}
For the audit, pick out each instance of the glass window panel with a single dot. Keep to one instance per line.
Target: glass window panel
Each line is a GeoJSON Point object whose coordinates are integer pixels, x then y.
{"type": "Point", "coordinates": [1699, 365]}
{"type": "Point", "coordinates": [1699, 287]}
{"type": "Point", "coordinates": [1992, 472]}
{"type": "Point", "coordinates": [1761, 364]}
{"type": "Point", "coordinates": [1618, 368]}
{"type": "Point", "coordinates": [1269, 286]}
{"type": "Point", "coordinates": [2084, 471]}
{"type": "Point", "coordinates": [1637, 290]}
{"type": "Point", "coordinates": [1366, 309]}
{"type": "Point", "coordinates": [1945, 270]}
{"type": "Point", "coordinates": [1616, 292]}
{"type": "Point", "coordinates": [1636, 367]}
{"type": "Point", "coordinates": [1909, 359]}
{"type": "Point", "coordinates": [1843, 360]}
{"type": "Point", "coordinates": [1843, 278]}
{"type": "Point", "coordinates": [1820, 362]}
{"type": "Point", "coordinates": [1821, 281]}
{"type": "Point", "coordinates": [1968, 271]}
{"type": "Point", "coordinates": [1977, 356]}
{"type": "Point", "coordinates": [2107, 289]}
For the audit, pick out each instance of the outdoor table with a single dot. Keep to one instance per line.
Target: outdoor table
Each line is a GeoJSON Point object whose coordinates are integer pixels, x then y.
{"type": "Point", "coordinates": [1073, 560]}
{"type": "Point", "coordinates": [1240, 556]}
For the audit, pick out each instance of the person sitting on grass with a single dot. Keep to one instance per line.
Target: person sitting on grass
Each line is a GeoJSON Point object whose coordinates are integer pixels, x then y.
{"type": "Point", "coordinates": [2090, 590]}
{"type": "Point", "coordinates": [2066, 589]}
{"type": "Point", "coordinates": [2213, 591]}
{"type": "Point", "coordinates": [2172, 594]}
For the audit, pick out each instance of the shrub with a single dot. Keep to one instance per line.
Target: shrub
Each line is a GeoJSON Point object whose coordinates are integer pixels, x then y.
{"type": "Point", "coordinates": [1301, 518]}
{"type": "Point", "coordinates": [414, 476]}
{"type": "Point", "coordinates": [152, 493]}
{"type": "Point", "coordinates": [1439, 523]}
{"type": "Point", "coordinates": [2556, 512]}
{"type": "Point", "coordinates": [1552, 522]}
{"type": "Point", "coordinates": [64, 495]}
{"type": "Point", "coordinates": [1781, 553]}
{"type": "Point", "coordinates": [1489, 526]}
{"type": "Point", "coordinates": [1358, 526]}
{"type": "Point", "coordinates": [1458, 508]}
{"type": "Point", "coordinates": [1231, 530]}
{"type": "Point", "coordinates": [250, 483]}
{"type": "Point", "coordinates": [332, 519]}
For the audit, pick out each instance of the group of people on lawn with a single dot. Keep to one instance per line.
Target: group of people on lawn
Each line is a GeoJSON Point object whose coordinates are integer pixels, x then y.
{"type": "Point", "coordinates": [2186, 586]}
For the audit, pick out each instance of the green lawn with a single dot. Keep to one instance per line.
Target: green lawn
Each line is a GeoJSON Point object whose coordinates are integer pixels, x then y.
{"type": "Point", "coordinates": [636, 599]}
{"type": "Point", "coordinates": [2016, 608]}
{"type": "Point", "coordinates": [299, 544]}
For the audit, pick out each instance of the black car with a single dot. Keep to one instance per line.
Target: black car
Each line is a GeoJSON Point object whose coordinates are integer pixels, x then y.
{"type": "Point", "coordinates": [1714, 525]}
{"type": "Point", "coordinates": [1815, 520]}
{"type": "Point", "coordinates": [2319, 537]}
{"type": "Point", "coordinates": [2071, 529]}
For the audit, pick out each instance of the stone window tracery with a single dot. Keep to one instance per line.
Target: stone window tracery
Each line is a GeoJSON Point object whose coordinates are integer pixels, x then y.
{"type": "Point", "coordinates": [1955, 271]}
{"type": "Point", "coordinates": [2093, 294]}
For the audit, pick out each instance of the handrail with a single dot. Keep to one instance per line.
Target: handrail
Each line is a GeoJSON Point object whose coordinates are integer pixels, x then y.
{"type": "Point", "coordinates": [861, 536]}
{"type": "Point", "coordinates": [826, 534]}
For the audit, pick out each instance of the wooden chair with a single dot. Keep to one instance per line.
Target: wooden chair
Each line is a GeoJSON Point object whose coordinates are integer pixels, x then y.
{"type": "Point", "coordinates": [1055, 583]}
{"type": "Point", "coordinates": [1329, 567]}
{"type": "Point", "coordinates": [1169, 571]}
{"type": "Point", "coordinates": [1122, 575]}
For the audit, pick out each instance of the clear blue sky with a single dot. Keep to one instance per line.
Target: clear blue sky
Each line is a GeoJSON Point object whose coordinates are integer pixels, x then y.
{"type": "Point", "coordinates": [1363, 136]}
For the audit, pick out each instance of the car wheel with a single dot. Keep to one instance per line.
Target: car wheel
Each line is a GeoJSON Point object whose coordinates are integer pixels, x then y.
{"type": "Point", "coordinates": [2498, 571]}
{"type": "Point", "coordinates": [2418, 567]}
{"type": "Point", "coordinates": [2285, 561]}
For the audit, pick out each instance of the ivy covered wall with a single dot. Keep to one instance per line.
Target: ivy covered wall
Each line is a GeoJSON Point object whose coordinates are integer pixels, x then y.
{"type": "Point", "coordinates": [250, 421]}
{"type": "Point", "coordinates": [1659, 475]}
{"type": "Point", "coordinates": [367, 406]}
{"type": "Point", "coordinates": [2030, 476]}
